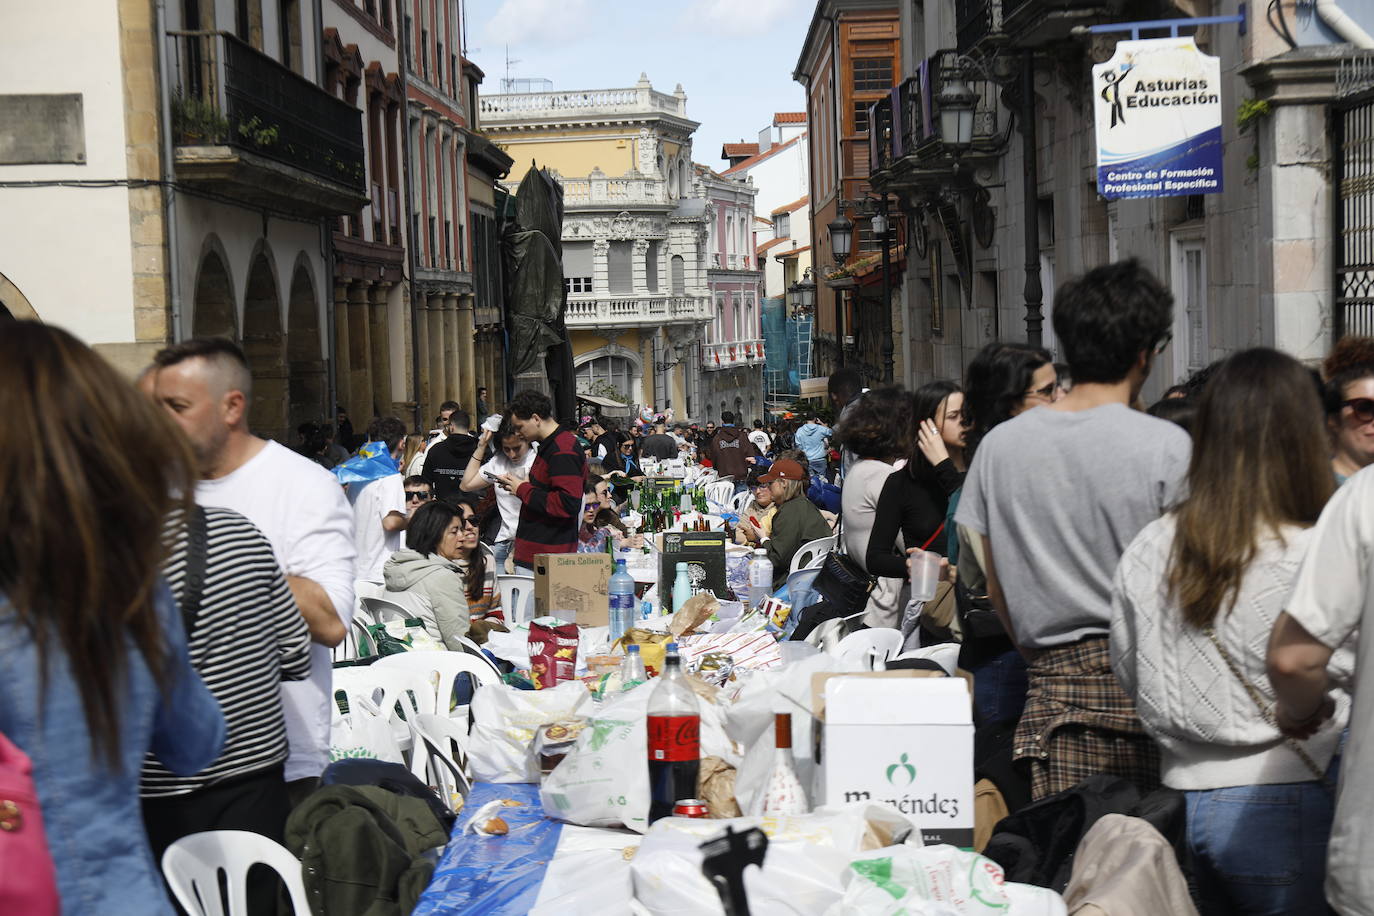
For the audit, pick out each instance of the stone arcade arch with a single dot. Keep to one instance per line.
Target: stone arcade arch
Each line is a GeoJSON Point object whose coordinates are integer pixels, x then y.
{"type": "Point", "coordinates": [307, 380]}
{"type": "Point", "coordinates": [213, 312]}
{"type": "Point", "coordinates": [265, 346]}
{"type": "Point", "coordinates": [13, 303]}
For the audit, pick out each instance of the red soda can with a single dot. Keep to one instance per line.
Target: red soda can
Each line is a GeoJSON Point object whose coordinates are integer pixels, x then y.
{"type": "Point", "coordinates": [690, 807]}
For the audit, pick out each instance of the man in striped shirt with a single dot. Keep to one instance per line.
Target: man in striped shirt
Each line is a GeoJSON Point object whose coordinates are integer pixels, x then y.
{"type": "Point", "coordinates": [245, 637]}
{"type": "Point", "coordinates": [551, 499]}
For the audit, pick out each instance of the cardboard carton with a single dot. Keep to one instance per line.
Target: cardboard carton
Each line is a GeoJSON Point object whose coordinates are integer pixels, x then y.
{"type": "Point", "coordinates": [703, 551]}
{"type": "Point", "coordinates": [578, 582]}
{"type": "Point", "coordinates": [906, 741]}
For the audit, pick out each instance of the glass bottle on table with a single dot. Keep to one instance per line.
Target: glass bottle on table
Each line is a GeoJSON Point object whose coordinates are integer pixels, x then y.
{"type": "Point", "coordinates": [782, 792]}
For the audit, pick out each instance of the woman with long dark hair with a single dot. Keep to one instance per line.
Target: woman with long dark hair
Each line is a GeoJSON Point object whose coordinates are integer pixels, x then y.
{"type": "Point", "coordinates": [91, 642]}
{"type": "Point", "coordinates": [1194, 600]}
{"type": "Point", "coordinates": [876, 429]}
{"type": "Point", "coordinates": [443, 567]}
{"type": "Point", "coordinates": [1003, 381]}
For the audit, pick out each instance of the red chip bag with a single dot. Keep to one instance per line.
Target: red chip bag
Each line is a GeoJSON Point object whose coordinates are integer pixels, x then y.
{"type": "Point", "coordinates": [553, 654]}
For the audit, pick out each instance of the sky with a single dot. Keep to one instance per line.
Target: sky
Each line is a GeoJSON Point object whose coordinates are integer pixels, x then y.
{"type": "Point", "coordinates": [734, 58]}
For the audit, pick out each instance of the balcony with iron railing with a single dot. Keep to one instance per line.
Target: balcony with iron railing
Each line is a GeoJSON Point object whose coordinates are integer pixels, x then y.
{"type": "Point", "coordinates": [251, 129]}
{"type": "Point", "coordinates": [732, 355]}
{"type": "Point", "coordinates": [983, 24]}
{"type": "Point", "coordinates": [636, 311]}
{"type": "Point", "coordinates": [906, 143]}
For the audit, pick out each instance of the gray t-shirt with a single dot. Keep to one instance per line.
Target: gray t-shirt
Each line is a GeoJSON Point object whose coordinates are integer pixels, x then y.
{"type": "Point", "coordinates": [1059, 496]}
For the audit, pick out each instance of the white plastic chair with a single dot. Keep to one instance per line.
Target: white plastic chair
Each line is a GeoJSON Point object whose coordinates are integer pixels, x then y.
{"type": "Point", "coordinates": [476, 652]}
{"type": "Point", "coordinates": [812, 553]}
{"type": "Point", "coordinates": [721, 491]}
{"type": "Point", "coordinates": [868, 647]}
{"type": "Point", "coordinates": [362, 639]}
{"type": "Point", "coordinates": [739, 501]}
{"type": "Point", "coordinates": [386, 687]}
{"type": "Point", "coordinates": [435, 762]}
{"type": "Point", "coordinates": [799, 592]}
{"type": "Point", "coordinates": [383, 609]}
{"type": "Point", "coordinates": [192, 866]}
{"type": "Point", "coordinates": [517, 597]}
{"type": "Point", "coordinates": [440, 669]}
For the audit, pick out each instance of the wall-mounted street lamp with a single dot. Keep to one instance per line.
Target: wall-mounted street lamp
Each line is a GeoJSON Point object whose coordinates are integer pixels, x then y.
{"type": "Point", "coordinates": [957, 102]}
{"type": "Point", "coordinates": [802, 294]}
{"type": "Point", "coordinates": [841, 238]}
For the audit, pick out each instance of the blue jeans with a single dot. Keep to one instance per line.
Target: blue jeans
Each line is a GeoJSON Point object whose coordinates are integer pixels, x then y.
{"type": "Point", "coordinates": [499, 551]}
{"type": "Point", "coordinates": [1261, 850]}
{"type": "Point", "coordinates": [999, 687]}
{"type": "Point", "coordinates": [819, 466]}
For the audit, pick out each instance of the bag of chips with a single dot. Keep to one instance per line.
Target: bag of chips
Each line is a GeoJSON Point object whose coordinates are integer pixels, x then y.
{"type": "Point", "coordinates": [553, 652]}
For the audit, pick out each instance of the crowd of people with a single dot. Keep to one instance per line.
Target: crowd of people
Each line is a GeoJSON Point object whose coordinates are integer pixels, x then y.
{"type": "Point", "coordinates": [1170, 594]}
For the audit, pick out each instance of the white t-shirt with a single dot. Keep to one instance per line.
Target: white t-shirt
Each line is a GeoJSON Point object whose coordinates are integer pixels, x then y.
{"type": "Point", "coordinates": [509, 503]}
{"type": "Point", "coordinates": [372, 502]}
{"type": "Point", "coordinates": [1332, 598]}
{"type": "Point", "coordinates": [301, 509]}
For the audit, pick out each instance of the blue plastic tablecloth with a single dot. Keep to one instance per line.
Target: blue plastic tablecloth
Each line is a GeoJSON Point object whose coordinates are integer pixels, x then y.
{"type": "Point", "coordinates": [494, 876]}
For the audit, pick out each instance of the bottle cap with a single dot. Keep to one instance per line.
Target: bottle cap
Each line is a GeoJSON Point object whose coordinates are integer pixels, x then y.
{"type": "Point", "coordinates": [632, 649]}
{"type": "Point", "coordinates": [759, 551]}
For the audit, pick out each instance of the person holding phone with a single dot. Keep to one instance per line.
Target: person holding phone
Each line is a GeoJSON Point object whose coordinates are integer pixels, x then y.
{"type": "Point", "coordinates": [514, 457]}
{"type": "Point", "coordinates": [760, 509]}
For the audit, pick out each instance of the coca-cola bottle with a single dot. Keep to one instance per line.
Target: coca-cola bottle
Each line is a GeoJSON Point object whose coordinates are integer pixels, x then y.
{"type": "Point", "coordinates": [674, 738]}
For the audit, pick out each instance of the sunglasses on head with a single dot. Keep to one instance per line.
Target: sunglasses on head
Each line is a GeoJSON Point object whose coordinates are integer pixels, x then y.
{"type": "Point", "coordinates": [421, 495]}
{"type": "Point", "coordinates": [1362, 408]}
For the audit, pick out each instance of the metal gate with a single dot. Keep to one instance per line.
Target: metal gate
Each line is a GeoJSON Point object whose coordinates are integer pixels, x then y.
{"type": "Point", "coordinates": [1352, 130]}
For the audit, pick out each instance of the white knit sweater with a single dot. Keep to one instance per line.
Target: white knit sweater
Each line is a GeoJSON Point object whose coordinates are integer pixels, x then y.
{"type": "Point", "coordinates": [1210, 731]}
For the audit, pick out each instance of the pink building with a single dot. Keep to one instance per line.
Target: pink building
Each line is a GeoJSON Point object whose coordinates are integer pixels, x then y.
{"type": "Point", "coordinates": [732, 354]}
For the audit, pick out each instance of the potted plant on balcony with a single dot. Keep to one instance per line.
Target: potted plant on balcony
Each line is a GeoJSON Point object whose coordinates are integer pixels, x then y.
{"type": "Point", "coordinates": [196, 122]}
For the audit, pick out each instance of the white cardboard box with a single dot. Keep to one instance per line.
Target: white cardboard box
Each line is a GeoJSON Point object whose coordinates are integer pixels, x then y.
{"type": "Point", "coordinates": [906, 742]}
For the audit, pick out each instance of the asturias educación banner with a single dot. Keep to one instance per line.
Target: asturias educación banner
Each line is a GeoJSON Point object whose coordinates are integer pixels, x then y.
{"type": "Point", "coordinates": [1158, 107]}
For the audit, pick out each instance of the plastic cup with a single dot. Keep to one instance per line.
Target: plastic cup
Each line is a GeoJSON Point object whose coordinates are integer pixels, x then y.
{"type": "Point", "coordinates": [924, 566]}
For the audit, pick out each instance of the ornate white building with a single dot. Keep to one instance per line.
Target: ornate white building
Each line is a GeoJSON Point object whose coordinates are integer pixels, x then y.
{"type": "Point", "coordinates": [634, 233]}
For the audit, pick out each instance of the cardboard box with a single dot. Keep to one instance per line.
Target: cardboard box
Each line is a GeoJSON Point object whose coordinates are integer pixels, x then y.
{"type": "Point", "coordinates": [578, 582]}
{"type": "Point", "coordinates": [906, 741]}
{"type": "Point", "coordinates": [703, 551]}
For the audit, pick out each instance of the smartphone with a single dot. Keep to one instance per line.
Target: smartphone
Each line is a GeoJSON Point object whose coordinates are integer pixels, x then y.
{"type": "Point", "coordinates": [492, 476]}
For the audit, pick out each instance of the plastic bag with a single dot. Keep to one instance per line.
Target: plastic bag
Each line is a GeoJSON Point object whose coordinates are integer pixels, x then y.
{"type": "Point", "coordinates": [937, 881]}
{"type": "Point", "coordinates": [803, 870]}
{"type": "Point", "coordinates": [604, 779]}
{"type": "Point", "coordinates": [361, 733]}
{"type": "Point", "coordinates": [505, 720]}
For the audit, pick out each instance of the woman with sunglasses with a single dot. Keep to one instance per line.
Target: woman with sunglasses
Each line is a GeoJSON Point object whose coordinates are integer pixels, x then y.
{"type": "Point", "coordinates": [441, 568]}
{"type": "Point", "coordinates": [1348, 372]}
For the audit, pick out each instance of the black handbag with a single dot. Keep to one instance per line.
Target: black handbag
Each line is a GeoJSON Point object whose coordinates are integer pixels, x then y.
{"type": "Point", "coordinates": [842, 584]}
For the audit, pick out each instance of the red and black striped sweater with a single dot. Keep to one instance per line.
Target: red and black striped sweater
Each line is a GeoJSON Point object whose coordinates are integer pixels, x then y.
{"type": "Point", "coordinates": [551, 500]}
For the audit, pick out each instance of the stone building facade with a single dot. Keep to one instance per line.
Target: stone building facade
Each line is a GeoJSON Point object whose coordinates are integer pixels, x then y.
{"type": "Point", "coordinates": [634, 233]}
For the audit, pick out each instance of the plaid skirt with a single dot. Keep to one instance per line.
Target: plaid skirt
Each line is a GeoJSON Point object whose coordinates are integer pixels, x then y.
{"type": "Point", "coordinates": [1078, 722]}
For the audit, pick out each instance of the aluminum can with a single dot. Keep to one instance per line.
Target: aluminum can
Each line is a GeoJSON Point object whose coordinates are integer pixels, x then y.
{"type": "Point", "coordinates": [690, 807]}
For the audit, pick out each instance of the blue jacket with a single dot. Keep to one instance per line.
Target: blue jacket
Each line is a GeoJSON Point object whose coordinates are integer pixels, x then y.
{"type": "Point", "coordinates": [91, 813]}
{"type": "Point", "coordinates": [811, 440]}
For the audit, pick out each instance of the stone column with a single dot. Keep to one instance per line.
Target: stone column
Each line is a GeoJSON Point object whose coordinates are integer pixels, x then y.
{"type": "Point", "coordinates": [467, 355]}
{"type": "Point", "coordinates": [379, 331]}
{"type": "Point", "coordinates": [423, 397]}
{"type": "Point", "coordinates": [438, 384]}
{"type": "Point", "coordinates": [451, 382]}
{"type": "Point", "coordinates": [342, 363]}
{"type": "Point", "coordinates": [360, 408]}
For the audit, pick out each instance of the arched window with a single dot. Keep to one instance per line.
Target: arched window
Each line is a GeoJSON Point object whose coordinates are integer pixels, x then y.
{"type": "Point", "coordinates": [615, 373]}
{"type": "Point", "coordinates": [679, 275]}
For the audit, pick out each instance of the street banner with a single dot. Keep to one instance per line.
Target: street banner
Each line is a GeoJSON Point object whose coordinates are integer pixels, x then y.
{"type": "Point", "coordinates": [1158, 111]}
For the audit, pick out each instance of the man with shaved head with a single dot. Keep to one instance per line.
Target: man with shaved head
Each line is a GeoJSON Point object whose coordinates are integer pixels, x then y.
{"type": "Point", "coordinates": [206, 385]}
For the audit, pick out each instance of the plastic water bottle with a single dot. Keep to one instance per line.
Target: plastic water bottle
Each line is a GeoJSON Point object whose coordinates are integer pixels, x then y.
{"type": "Point", "coordinates": [760, 577]}
{"type": "Point", "coordinates": [622, 592]}
{"type": "Point", "coordinates": [632, 672]}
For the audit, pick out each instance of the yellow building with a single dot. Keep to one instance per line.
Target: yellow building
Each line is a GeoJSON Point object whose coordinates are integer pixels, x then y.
{"type": "Point", "coordinates": [634, 232]}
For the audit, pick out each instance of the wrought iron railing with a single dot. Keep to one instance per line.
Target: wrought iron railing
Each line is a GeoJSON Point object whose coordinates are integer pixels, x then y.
{"type": "Point", "coordinates": [907, 122]}
{"type": "Point", "coordinates": [225, 92]}
{"type": "Point", "coordinates": [972, 22]}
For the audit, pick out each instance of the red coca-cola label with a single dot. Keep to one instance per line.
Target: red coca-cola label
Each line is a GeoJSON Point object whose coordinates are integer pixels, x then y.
{"type": "Point", "coordinates": [674, 738]}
